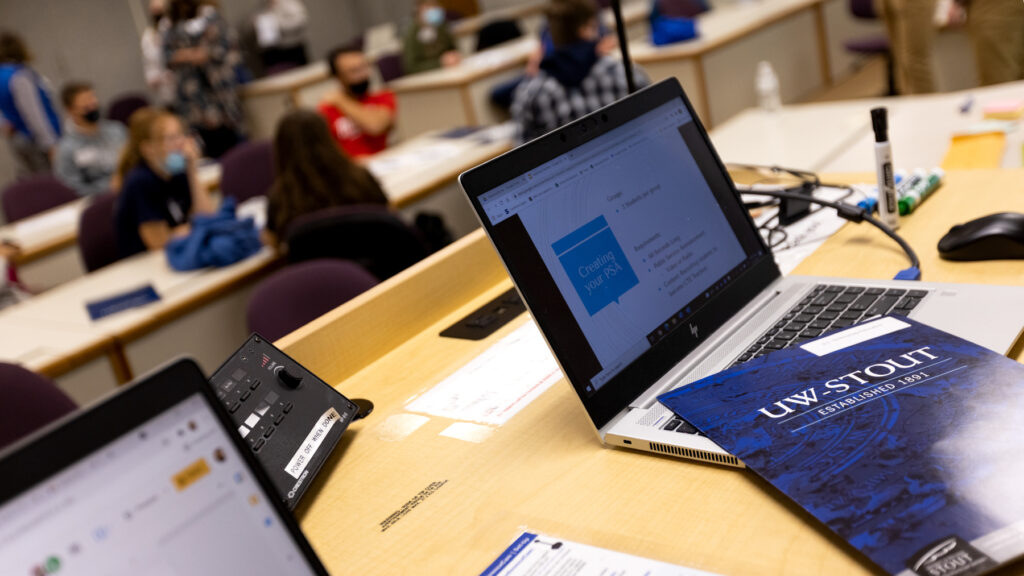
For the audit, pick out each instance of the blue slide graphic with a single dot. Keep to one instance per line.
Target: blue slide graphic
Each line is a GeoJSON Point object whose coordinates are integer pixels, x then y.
{"type": "Point", "coordinates": [595, 264]}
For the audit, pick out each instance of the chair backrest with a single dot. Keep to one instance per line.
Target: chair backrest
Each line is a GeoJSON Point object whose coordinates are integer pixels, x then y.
{"type": "Point", "coordinates": [367, 234]}
{"type": "Point", "coordinates": [299, 293]}
{"type": "Point", "coordinates": [97, 233]}
{"type": "Point", "coordinates": [31, 401]}
{"type": "Point", "coordinates": [863, 9]}
{"type": "Point", "coordinates": [247, 170]}
{"type": "Point", "coordinates": [122, 107]}
{"type": "Point", "coordinates": [497, 32]}
{"type": "Point", "coordinates": [390, 66]}
{"type": "Point", "coordinates": [33, 195]}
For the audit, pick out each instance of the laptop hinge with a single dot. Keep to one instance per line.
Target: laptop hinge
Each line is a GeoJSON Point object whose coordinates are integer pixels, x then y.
{"type": "Point", "coordinates": [676, 376]}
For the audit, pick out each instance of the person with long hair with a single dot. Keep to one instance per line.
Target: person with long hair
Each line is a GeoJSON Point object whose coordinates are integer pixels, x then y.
{"type": "Point", "coordinates": [160, 187]}
{"type": "Point", "coordinates": [313, 174]}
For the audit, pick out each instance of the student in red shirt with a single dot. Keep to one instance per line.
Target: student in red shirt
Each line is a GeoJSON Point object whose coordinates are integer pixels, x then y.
{"type": "Point", "coordinates": [359, 119]}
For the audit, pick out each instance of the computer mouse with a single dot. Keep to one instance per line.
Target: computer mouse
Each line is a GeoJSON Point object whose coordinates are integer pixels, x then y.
{"type": "Point", "coordinates": [992, 237]}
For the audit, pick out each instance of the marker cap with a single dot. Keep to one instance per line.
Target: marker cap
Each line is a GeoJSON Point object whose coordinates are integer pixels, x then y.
{"type": "Point", "coordinates": [880, 124]}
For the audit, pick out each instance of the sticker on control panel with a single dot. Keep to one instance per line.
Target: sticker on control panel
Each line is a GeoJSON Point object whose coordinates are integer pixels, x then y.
{"type": "Point", "coordinates": [312, 443]}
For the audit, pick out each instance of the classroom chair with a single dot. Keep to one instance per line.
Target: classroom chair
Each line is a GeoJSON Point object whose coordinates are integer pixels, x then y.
{"type": "Point", "coordinates": [33, 195]}
{"type": "Point", "coordinates": [97, 234]}
{"type": "Point", "coordinates": [299, 293]}
{"type": "Point", "coordinates": [367, 234]}
{"type": "Point", "coordinates": [247, 170]}
{"type": "Point", "coordinates": [877, 45]}
{"type": "Point", "coordinates": [122, 107]}
{"type": "Point", "coordinates": [390, 67]}
{"type": "Point", "coordinates": [31, 401]}
{"type": "Point", "coordinates": [497, 32]}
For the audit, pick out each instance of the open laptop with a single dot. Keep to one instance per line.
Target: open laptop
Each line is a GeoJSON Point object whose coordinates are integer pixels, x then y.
{"type": "Point", "coordinates": [153, 480]}
{"type": "Point", "coordinates": [630, 246]}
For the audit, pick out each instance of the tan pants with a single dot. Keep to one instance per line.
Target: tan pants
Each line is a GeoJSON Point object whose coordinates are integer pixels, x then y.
{"type": "Point", "coordinates": [911, 36]}
{"type": "Point", "coordinates": [996, 29]}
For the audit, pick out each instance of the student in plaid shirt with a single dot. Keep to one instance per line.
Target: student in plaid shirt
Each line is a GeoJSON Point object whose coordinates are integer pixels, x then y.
{"type": "Point", "coordinates": [575, 78]}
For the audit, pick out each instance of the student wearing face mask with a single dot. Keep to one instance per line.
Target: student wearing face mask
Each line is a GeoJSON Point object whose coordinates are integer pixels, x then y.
{"type": "Point", "coordinates": [575, 78]}
{"type": "Point", "coordinates": [88, 152]}
{"type": "Point", "coordinates": [161, 189]}
{"type": "Point", "coordinates": [358, 118]}
{"type": "Point", "coordinates": [428, 44]}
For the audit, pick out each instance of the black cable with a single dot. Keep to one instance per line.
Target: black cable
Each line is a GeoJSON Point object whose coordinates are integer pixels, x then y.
{"type": "Point", "coordinates": [856, 214]}
{"type": "Point", "coordinates": [620, 30]}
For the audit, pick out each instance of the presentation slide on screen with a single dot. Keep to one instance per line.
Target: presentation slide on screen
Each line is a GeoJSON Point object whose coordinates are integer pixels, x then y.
{"type": "Point", "coordinates": [631, 234]}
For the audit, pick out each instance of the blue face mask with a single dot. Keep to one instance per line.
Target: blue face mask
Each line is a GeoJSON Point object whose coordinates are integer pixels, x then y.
{"type": "Point", "coordinates": [434, 16]}
{"type": "Point", "coordinates": [174, 163]}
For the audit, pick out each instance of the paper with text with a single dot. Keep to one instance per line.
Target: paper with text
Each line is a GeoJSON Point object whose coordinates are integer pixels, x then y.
{"type": "Point", "coordinates": [497, 384]}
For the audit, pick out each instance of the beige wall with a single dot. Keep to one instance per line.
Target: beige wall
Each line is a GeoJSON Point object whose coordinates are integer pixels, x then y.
{"type": "Point", "coordinates": [98, 40]}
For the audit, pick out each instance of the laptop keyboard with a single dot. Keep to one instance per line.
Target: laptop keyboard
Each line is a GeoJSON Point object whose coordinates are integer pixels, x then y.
{"type": "Point", "coordinates": [827, 307]}
{"type": "Point", "coordinates": [830, 307]}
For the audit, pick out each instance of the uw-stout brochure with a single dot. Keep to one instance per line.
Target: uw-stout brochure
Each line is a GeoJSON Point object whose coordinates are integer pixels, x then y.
{"type": "Point", "coordinates": [905, 440]}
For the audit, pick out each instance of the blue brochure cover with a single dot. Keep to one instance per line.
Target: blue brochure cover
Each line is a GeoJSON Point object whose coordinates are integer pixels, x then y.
{"type": "Point", "coordinates": [905, 440]}
{"type": "Point", "coordinates": [124, 301]}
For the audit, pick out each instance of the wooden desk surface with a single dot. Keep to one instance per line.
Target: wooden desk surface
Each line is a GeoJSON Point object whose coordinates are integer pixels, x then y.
{"type": "Point", "coordinates": [491, 61]}
{"type": "Point", "coordinates": [417, 167]}
{"type": "Point", "coordinates": [545, 470]}
{"type": "Point", "coordinates": [46, 232]}
{"type": "Point", "coordinates": [49, 349]}
{"type": "Point", "coordinates": [65, 304]}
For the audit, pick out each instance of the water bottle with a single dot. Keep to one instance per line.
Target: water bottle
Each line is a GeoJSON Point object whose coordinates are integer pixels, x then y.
{"type": "Point", "coordinates": [767, 84]}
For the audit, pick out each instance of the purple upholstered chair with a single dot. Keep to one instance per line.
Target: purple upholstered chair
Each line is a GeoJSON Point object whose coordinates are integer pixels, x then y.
{"type": "Point", "coordinates": [367, 234]}
{"type": "Point", "coordinates": [390, 66]}
{"type": "Point", "coordinates": [33, 195]}
{"type": "Point", "coordinates": [300, 293]}
{"type": "Point", "coordinates": [877, 45]}
{"type": "Point", "coordinates": [122, 107]}
{"type": "Point", "coordinates": [30, 401]}
{"type": "Point", "coordinates": [247, 170]}
{"type": "Point", "coordinates": [97, 235]}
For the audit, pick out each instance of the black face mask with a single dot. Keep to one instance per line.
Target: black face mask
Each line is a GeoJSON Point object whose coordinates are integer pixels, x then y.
{"type": "Point", "coordinates": [92, 116]}
{"type": "Point", "coordinates": [359, 89]}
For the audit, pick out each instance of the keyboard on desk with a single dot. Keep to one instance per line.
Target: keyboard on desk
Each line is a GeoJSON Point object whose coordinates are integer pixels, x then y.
{"type": "Point", "coordinates": [827, 307]}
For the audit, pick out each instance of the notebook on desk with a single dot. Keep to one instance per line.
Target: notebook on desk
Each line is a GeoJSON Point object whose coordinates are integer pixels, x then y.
{"type": "Point", "coordinates": [630, 246]}
{"type": "Point", "coordinates": [153, 480]}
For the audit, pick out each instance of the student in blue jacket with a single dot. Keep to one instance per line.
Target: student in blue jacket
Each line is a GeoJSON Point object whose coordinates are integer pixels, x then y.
{"type": "Point", "coordinates": [29, 119]}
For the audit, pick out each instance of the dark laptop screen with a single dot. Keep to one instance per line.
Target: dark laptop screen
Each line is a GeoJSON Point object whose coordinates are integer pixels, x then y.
{"type": "Point", "coordinates": [170, 496]}
{"type": "Point", "coordinates": [620, 240]}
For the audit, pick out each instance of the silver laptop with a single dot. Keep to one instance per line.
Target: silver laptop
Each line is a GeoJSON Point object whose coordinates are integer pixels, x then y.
{"type": "Point", "coordinates": [630, 246]}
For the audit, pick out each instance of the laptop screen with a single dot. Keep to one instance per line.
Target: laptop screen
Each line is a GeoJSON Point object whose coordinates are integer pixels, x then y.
{"type": "Point", "coordinates": [619, 241]}
{"type": "Point", "coordinates": [169, 497]}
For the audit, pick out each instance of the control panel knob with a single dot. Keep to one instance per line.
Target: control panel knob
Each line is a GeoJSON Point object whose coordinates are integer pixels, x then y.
{"type": "Point", "coordinates": [288, 379]}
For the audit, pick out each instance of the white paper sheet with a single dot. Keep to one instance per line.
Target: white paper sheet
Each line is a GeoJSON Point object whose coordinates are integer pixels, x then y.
{"type": "Point", "coordinates": [497, 384]}
{"type": "Point", "coordinates": [540, 555]}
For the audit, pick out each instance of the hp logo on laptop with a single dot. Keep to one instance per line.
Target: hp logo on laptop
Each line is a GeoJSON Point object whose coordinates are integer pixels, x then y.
{"type": "Point", "coordinates": [693, 330]}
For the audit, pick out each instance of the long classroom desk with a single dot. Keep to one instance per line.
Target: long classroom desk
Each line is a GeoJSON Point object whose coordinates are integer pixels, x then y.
{"type": "Point", "coordinates": [837, 136]}
{"type": "Point", "coordinates": [201, 313]}
{"type": "Point", "coordinates": [459, 95]}
{"type": "Point", "coordinates": [49, 253]}
{"type": "Point", "coordinates": [454, 505]}
{"type": "Point", "coordinates": [803, 39]}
